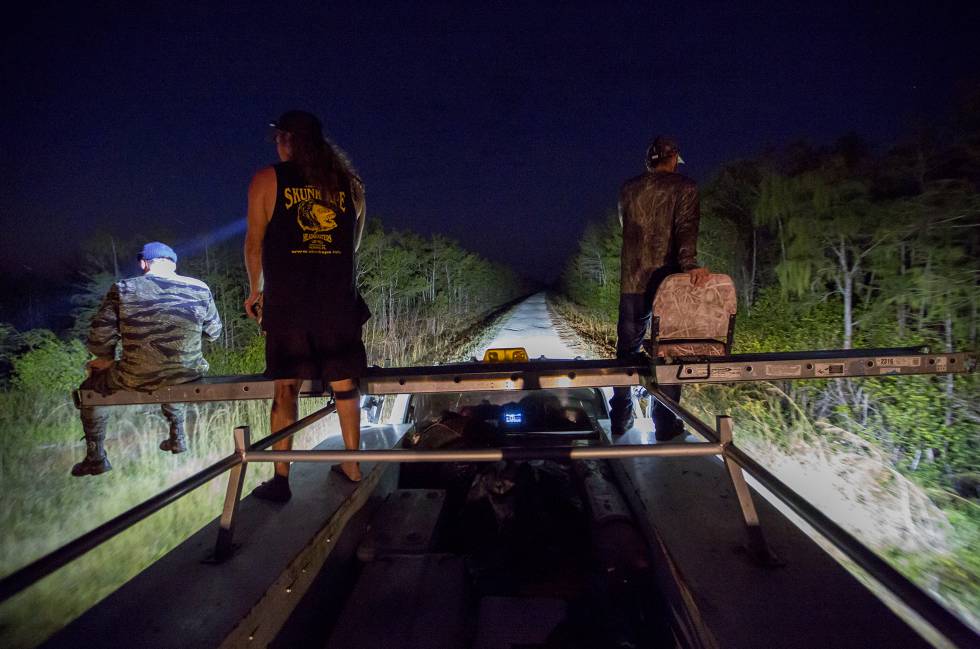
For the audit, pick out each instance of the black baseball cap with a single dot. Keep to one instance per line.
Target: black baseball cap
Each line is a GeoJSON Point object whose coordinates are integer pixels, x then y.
{"type": "Point", "coordinates": [299, 122]}
{"type": "Point", "coordinates": [662, 147]}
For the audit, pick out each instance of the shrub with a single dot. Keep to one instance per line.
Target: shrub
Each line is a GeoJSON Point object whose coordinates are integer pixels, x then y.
{"type": "Point", "coordinates": [49, 365]}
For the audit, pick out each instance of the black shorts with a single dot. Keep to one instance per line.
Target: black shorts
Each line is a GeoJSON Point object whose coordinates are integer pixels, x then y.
{"type": "Point", "coordinates": [298, 354]}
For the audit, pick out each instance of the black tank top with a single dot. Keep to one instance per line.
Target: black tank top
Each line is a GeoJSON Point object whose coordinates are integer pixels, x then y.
{"type": "Point", "coordinates": [308, 258]}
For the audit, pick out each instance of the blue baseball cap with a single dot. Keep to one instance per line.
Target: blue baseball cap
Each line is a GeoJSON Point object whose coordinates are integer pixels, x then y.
{"type": "Point", "coordinates": [157, 250]}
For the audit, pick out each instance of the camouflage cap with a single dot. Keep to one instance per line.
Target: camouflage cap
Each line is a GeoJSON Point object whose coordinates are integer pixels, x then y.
{"type": "Point", "coordinates": [662, 147]}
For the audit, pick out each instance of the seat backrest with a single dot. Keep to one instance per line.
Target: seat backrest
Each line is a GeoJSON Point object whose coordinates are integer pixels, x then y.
{"type": "Point", "coordinates": [694, 317]}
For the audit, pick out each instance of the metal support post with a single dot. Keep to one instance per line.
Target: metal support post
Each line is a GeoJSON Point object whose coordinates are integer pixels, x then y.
{"type": "Point", "coordinates": [647, 382]}
{"type": "Point", "coordinates": [224, 548]}
{"type": "Point", "coordinates": [757, 542]}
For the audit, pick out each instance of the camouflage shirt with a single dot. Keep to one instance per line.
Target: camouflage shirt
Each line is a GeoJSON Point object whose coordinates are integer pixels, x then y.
{"type": "Point", "coordinates": [160, 321]}
{"type": "Point", "coordinates": [660, 215]}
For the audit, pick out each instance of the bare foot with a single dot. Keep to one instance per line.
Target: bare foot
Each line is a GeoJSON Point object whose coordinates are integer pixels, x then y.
{"type": "Point", "coordinates": [352, 470]}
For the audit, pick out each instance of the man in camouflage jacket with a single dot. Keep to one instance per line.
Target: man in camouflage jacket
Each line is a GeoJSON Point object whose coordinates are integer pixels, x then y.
{"type": "Point", "coordinates": [660, 213]}
{"type": "Point", "coordinates": [159, 318]}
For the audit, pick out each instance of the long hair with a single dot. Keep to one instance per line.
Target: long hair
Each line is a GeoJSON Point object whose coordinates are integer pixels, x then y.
{"type": "Point", "coordinates": [322, 163]}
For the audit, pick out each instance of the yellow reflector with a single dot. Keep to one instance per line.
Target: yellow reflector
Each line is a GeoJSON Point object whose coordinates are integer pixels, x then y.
{"type": "Point", "coordinates": [505, 355]}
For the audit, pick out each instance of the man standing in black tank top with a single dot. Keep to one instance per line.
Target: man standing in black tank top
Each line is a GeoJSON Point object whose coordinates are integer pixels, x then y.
{"type": "Point", "coordinates": [305, 218]}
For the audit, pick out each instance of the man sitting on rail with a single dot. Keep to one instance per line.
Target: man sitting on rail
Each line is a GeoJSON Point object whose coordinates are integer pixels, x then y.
{"type": "Point", "coordinates": [159, 318]}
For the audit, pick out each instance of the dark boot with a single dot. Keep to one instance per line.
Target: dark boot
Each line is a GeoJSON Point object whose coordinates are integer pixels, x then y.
{"type": "Point", "coordinates": [669, 430]}
{"type": "Point", "coordinates": [668, 425]}
{"type": "Point", "coordinates": [175, 414]}
{"type": "Point", "coordinates": [95, 461]}
{"type": "Point", "coordinates": [620, 424]}
{"type": "Point", "coordinates": [177, 442]}
{"type": "Point", "coordinates": [277, 490]}
{"type": "Point", "coordinates": [620, 411]}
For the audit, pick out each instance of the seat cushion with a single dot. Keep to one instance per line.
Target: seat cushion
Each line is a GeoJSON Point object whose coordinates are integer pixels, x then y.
{"type": "Point", "coordinates": [699, 315]}
{"type": "Point", "coordinates": [685, 349]}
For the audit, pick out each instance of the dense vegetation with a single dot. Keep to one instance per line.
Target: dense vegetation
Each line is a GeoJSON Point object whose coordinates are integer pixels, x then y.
{"type": "Point", "coordinates": [427, 296]}
{"type": "Point", "coordinates": [831, 247]}
{"type": "Point", "coordinates": [840, 247]}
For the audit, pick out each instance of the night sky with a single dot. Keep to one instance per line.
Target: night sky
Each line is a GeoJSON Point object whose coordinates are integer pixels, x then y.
{"type": "Point", "coordinates": [505, 126]}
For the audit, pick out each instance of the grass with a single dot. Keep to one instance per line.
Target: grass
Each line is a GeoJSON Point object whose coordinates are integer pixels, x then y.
{"type": "Point", "coordinates": [940, 550]}
{"type": "Point", "coordinates": [951, 576]}
{"type": "Point", "coordinates": [45, 507]}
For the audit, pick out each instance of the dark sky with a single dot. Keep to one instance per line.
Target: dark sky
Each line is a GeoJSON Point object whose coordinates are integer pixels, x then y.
{"type": "Point", "coordinates": [505, 126]}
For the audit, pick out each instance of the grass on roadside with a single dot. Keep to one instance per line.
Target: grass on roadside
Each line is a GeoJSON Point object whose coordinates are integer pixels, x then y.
{"type": "Point", "coordinates": [774, 428]}
{"type": "Point", "coordinates": [45, 507]}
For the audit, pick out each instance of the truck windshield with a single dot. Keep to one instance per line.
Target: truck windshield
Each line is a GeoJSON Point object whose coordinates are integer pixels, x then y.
{"type": "Point", "coordinates": [523, 411]}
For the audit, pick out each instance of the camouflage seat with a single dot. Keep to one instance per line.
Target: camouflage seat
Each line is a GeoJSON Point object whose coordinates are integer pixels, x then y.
{"type": "Point", "coordinates": [693, 321]}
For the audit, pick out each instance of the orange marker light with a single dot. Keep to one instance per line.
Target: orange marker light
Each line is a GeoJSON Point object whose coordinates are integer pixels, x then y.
{"type": "Point", "coordinates": [505, 355]}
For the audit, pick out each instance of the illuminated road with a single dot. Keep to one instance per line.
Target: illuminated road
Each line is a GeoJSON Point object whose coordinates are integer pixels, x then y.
{"type": "Point", "coordinates": [531, 326]}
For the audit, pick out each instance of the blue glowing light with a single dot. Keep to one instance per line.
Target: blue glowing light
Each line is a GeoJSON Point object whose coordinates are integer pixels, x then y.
{"type": "Point", "coordinates": [197, 244]}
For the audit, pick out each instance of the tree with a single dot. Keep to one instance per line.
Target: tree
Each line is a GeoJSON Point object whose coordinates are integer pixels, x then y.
{"type": "Point", "coordinates": [591, 278]}
{"type": "Point", "coordinates": [49, 365]}
{"type": "Point", "coordinates": [828, 228]}
{"type": "Point", "coordinates": [732, 197]}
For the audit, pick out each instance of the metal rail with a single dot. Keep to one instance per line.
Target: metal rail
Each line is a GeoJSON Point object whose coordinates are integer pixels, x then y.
{"type": "Point", "coordinates": [934, 613]}
{"type": "Point", "coordinates": [551, 374]}
{"type": "Point", "coordinates": [543, 375]}
{"type": "Point", "coordinates": [938, 616]}
{"type": "Point", "coordinates": [493, 454]}
{"type": "Point", "coordinates": [34, 572]}
{"type": "Point", "coordinates": [41, 568]}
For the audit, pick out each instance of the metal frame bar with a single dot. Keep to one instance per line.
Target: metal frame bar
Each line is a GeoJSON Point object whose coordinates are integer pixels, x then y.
{"type": "Point", "coordinates": [758, 547]}
{"type": "Point", "coordinates": [34, 572]}
{"type": "Point", "coordinates": [941, 619]}
{"type": "Point", "coordinates": [749, 514]}
{"type": "Point", "coordinates": [552, 374]}
{"type": "Point", "coordinates": [809, 365]}
{"type": "Point", "coordinates": [722, 435]}
{"type": "Point", "coordinates": [224, 546]}
{"type": "Point", "coordinates": [539, 375]}
{"type": "Point", "coordinates": [233, 494]}
{"type": "Point", "coordinates": [493, 454]}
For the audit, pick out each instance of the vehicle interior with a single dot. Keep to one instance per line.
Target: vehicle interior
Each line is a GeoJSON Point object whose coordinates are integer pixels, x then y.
{"type": "Point", "coordinates": [499, 418]}
{"type": "Point", "coordinates": [519, 540]}
{"type": "Point", "coordinates": [606, 546]}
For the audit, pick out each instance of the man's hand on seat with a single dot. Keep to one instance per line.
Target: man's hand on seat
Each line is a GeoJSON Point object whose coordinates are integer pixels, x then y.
{"type": "Point", "coordinates": [699, 276]}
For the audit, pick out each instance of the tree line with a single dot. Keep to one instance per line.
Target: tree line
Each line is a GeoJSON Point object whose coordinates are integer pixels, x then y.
{"type": "Point", "coordinates": [424, 294]}
{"type": "Point", "coordinates": [422, 291]}
{"type": "Point", "coordinates": [840, 246]}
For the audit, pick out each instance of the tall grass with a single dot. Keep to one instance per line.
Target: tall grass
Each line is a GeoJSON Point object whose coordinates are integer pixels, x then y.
{"type": "Point", "coordinates": [928, 533]}
{"type": "Point", "coordinates": [45, 507]}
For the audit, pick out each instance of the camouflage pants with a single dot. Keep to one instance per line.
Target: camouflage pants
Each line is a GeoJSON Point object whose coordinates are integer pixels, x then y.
{"type": "Point", "coordinates": [94, 418]}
